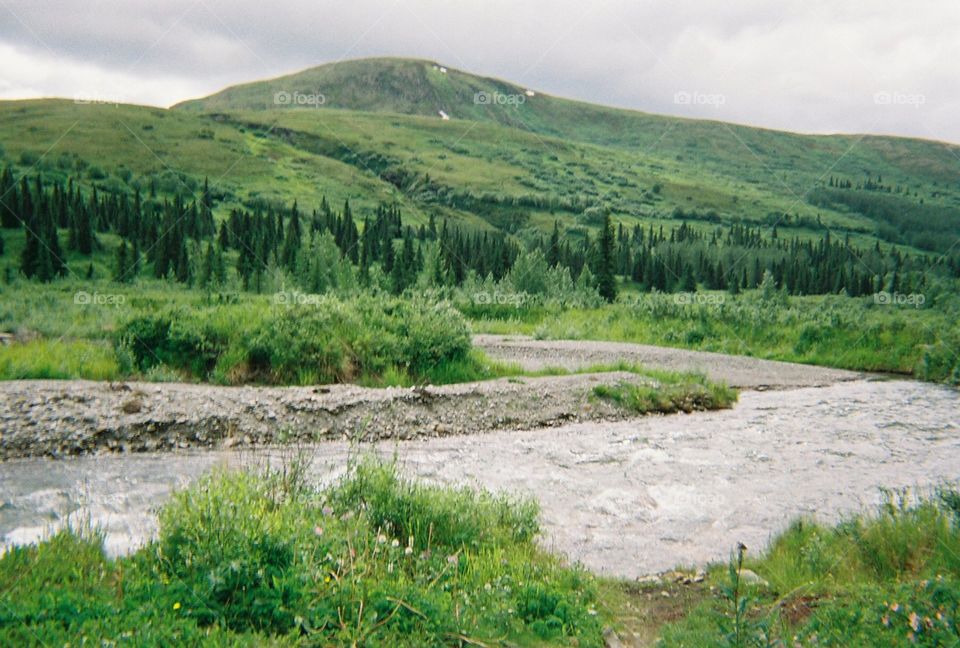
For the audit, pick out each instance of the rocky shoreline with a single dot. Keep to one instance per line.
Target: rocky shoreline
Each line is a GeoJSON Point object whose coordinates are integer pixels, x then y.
{"type": "Point", "coordinates": [63, 418]}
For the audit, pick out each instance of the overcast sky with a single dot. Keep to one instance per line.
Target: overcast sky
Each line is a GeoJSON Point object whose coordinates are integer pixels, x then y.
{"type": "Point", "coordinates": [878, 66]}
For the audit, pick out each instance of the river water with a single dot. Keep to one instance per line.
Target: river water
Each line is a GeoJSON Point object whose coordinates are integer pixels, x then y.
{"type": "Point", "coordinates": [626, 498]}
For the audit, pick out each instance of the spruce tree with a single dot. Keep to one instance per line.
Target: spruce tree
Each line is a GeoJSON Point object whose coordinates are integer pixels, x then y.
{"type": "Point", "coordinates": [292, 241]}
{"type": "Point", "coordinates": [553, 252]}
{"type": "Point", "coordinates": [120, 266]}
{"type": "Point", "coordinates": [9, 201]}
{"type": "Point", "coordinates": [606, 281]}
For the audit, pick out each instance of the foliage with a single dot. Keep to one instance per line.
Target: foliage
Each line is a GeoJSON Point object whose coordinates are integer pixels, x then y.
{"type": "Point", "coordinates": [668, 393]}
{"type": "Point", "coordinates": [246, 559]}
{"type": "Point", "coordinates": [302, 340]}
{"type": "Point", "coordinates": [890, 579]}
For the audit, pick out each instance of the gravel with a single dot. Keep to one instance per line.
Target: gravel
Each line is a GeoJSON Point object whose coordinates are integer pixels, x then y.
{"type": "Point", "coordinates": [737, 371]}
{"type": "Point", "coordinates": [61, 418]}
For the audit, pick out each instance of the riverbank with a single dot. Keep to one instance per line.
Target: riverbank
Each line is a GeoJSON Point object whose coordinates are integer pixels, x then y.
{"type": "Point", "coordinates": [69, 417]}
{"type": "Point", "coordinates": [625, 498]}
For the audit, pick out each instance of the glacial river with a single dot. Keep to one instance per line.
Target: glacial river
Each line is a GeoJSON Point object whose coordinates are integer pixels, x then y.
{"type": "Point", "coordinates": [627, 498]}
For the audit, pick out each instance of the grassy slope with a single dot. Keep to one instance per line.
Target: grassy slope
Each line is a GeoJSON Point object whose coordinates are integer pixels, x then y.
{"type": "Point", "coordinates": [786, 163]}
{"type": "Point", "coordinates": [547, 147]}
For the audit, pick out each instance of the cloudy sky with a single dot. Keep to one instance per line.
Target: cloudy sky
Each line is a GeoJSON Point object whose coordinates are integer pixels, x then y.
{"type": "Point", "coordinates": [883, 66]}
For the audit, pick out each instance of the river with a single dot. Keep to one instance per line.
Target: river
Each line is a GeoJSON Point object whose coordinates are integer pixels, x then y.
{"type": "Point", "coordinates": [626, 498]}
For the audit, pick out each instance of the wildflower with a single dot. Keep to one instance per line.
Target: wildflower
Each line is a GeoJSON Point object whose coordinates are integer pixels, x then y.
{"type": "Point", "coordinates": [408, 551]}
{"type": "Point", "coordinates": [381, 539]}
{"type": "Point", "coordinates": [885, 620]}
{"type": "Point", "coordinates": [395, 543]}
{"type": "Point", "coordinates": [914, 621]}
{"type": "Point", "coordinates": [894, 607]}
{"type": "Point", "coordinates": [176, 606]}
{"type": "Point", "coordinates": [327, 510]}
{"type": "Point", "coordinates": [454, 559]}
{"type": "Point", "coordinates": [318, 530]}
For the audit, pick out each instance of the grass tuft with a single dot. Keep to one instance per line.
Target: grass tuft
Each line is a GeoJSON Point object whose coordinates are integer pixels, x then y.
{"type": "Point", "coordinates": [259, 559]}
{"type": "Point", "coordinates": [673, 392]}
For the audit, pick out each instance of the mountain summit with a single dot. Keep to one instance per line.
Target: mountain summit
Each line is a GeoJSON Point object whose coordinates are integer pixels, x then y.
{"type": "Point", "coordinates": [394, 85]}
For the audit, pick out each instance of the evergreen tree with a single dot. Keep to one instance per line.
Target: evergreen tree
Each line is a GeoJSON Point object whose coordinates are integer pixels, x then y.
{"type": "Point", "coordinates": [120, 267]}
{"type": "Point", "coordinates": [606, 281]}
{"type": "Point", "coordinates": [207, 268]}
{"type": "Point", "coordinates": [292, 241]}
{"type": "Point", "coordinates": [553, 252]}
{"type": "Point", "coordinates": [9, 201]}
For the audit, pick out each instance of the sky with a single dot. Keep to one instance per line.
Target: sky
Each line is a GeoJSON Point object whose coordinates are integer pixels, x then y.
{"type": "Point", "coordinates": [883, 66]}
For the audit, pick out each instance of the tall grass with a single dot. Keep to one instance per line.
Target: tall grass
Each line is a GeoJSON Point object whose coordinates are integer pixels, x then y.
{"type": "Point", "coordinates": [671, 392]}
{"type": "Point", "coordinates": [42, 358]}
{"type": "Point", "coordinates": [834, 331]}
{"type": "Point", "coordinates": [250, 559]}
{"type": "Point", "coordinates": [891, 578]}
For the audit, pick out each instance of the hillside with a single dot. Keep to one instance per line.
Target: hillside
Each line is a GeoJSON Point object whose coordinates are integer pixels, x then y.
{"type": "Point", "coordinates": [698, 157]}
{"type": "Point", "coordinates": [512, 166]}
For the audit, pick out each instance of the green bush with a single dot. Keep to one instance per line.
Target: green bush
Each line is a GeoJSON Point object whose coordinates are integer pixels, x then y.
{"type": "Point", "coordinates": [324, 340]}
{"type": "Point", "coordinates": [244, 559]}
{"type": "Point", "coordinates": [888, 579]}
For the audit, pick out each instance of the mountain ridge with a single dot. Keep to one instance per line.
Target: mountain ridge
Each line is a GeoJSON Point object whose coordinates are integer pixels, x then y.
{"type": "Point", "coordinates": [514, 166]}
{"type": "Point", "coordinates": [236, 97]}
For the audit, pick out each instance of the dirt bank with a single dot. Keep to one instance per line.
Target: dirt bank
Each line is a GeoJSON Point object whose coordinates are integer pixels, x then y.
{"type": "Point", "coordinates": [62, 418]}
{"type": "Point", "coordinates": [66, 417]}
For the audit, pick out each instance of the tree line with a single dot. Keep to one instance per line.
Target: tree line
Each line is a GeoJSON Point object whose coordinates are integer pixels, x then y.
{"type": "Point", "coordinates": [325, 247]}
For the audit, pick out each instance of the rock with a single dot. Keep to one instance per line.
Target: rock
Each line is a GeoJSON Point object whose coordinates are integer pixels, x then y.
{"type": "Point", "coordinates": [610, 639]}
{"type": "Point", "coordinates": [750, 577]}
{"type": "Point", "coordinates": [132, 406]}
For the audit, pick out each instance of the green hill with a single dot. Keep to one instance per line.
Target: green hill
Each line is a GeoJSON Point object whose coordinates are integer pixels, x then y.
{"type": "Point", "coordinates": [506, 158]}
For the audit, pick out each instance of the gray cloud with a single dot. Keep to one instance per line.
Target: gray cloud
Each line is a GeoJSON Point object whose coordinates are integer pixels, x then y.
{"type": "Point", "coordinates": [817, 66]}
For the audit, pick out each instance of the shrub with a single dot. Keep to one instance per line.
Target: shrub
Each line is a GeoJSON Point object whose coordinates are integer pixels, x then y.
{"type": "Point", "coordinates": [265, 559]}
{"type": "Point", "coordinates": [321, 340]}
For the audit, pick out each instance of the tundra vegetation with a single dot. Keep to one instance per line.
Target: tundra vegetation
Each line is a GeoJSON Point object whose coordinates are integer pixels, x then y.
{"type": "Point", "coordinates": [267, 558]}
